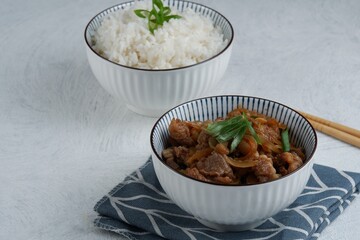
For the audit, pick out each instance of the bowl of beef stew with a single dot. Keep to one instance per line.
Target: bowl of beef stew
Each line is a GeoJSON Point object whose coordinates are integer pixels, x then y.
{"type": "Point", "coordinates": [233, 161]}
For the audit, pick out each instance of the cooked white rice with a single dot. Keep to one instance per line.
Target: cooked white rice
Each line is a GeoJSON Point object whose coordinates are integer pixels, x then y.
{"type": "Point", "coordinates": [124, 38]}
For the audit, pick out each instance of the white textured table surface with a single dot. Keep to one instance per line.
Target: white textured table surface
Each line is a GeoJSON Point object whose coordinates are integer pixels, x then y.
{"type": "Point", "coordinates": [64, 142]}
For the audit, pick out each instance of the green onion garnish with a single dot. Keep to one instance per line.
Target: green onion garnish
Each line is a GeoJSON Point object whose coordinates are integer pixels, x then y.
{"type": "Point", "coordinates": [232, 129]}
{"type": "Point", "coordinates": [285, 140]}
{"type": "Point", "coordinates": [157, 16]}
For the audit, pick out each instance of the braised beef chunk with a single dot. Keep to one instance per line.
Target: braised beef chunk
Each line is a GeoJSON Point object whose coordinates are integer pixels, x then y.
{"type": "Point", "coordinates": [194, 173]}
{"type": "Point", "coordinates": [224, 180]}
{"type": "Point", "coordinates": [264, 170]}
{"type": "Point", "coordinates": [181, 154]}
{"type": "Point", "coordinates": [175, 157]}
{"type": "Point", "coordinates": [287, 162]}
{"type": "Point", "coordinates": [169, 156]}
{"type": "Point", "coordinates": [269, 133]}
{"type": "Point", "coordinates": [215, 166]}
{"type": "Point", "coordinates": [180, 132]}
{"type": "Point", "coordinates": [203, 140]}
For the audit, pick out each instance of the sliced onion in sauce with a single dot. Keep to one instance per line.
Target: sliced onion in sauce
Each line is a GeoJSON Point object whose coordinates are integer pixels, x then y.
{"type": "Point", "coordinates": [212, 142]}
{"type": "Point", "coordinates": [252, 145]}
{"type": "Point", "coordinates": [269, 147]}
{"type": "Point", "coordinates": [260, 120]}
{"type": "Point", "coordinates": [239, 163]}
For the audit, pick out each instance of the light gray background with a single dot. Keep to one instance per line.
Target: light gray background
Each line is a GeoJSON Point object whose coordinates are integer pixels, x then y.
{"type": "Point", "coordinates": [64, 142]}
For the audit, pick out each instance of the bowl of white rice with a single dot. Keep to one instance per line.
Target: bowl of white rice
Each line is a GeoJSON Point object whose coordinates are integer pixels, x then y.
{"type": "Point", "coordinates": [153, 71]}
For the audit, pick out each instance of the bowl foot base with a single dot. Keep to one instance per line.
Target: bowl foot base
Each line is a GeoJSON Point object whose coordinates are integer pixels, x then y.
{"type": "Point", "coordinates": [230, 227]}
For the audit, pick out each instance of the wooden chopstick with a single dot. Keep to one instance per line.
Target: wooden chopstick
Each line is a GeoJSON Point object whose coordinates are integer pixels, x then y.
{"type": "Point", "coordinates": [336, 130]}
{"type": "Point", "coordinates": [349, 130]}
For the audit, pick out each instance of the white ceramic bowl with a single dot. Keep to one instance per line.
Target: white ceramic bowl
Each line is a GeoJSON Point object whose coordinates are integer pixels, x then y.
{"type": "Point", "coordinates": [152, 92]}
{"type": "Point", "coordinates": [233, 208]}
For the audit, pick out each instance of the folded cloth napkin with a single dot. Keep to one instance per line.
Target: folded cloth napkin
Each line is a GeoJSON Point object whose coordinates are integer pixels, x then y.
{"type": "Point", "coordinates": [138, 208]}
